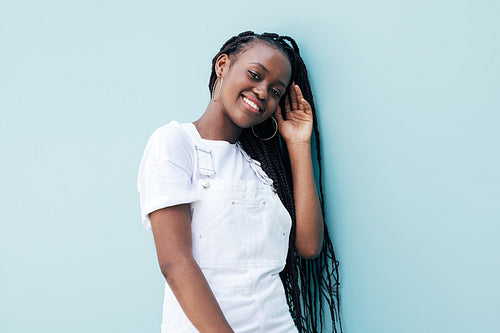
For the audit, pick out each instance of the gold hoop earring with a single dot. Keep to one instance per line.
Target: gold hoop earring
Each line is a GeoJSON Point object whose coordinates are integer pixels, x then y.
{"type": "Point", "coordinates": [272, 136]}
{"type": "Point", "coordinates": [220, 88]}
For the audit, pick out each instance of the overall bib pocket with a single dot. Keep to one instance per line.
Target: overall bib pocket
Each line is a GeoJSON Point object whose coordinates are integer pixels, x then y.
{"type": "Point", "coordinates": [245, 232]}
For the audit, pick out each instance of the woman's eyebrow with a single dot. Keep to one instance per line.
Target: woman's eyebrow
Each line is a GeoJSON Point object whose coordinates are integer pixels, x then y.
{"type": "Point", "coordinates": [265, 69]}
{"type": "Point", "coordinates": [260, 65]}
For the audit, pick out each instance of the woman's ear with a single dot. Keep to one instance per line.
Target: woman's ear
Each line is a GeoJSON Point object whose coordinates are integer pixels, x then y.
{"type": "Point", "coordinates": [221, 64]}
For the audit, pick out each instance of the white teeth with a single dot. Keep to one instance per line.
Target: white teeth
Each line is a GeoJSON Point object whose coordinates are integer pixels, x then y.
{"type": "Point", "coordinates": [252, 104]}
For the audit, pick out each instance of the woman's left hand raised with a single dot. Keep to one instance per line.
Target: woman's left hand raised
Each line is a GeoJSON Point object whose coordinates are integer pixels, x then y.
{"type": "Point", "coordinates": [297, 127]}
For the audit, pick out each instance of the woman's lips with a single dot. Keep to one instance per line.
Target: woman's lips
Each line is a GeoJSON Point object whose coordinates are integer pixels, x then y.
{"type": "Point", "coordinates": [253, 104]}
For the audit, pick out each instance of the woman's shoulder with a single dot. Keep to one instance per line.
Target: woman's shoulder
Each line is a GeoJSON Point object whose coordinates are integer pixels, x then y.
{"type": "Point", "coordinates": [171, 129]}
{"type": "Point", "coordinates": [172, 133]}
{"type": "Point", "coordinates": [171, 140]}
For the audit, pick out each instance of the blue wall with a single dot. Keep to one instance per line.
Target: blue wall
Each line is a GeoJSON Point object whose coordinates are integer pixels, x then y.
{"type": "Point", "coordinates": [407, 94]}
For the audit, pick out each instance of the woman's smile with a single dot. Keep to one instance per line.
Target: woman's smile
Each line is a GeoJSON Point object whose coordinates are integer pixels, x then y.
{"type": "Point", "coordinates": [253, 104]}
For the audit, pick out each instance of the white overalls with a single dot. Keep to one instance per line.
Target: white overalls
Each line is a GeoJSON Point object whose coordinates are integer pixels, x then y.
{"type": "Point", "coordinates": [240, 232]}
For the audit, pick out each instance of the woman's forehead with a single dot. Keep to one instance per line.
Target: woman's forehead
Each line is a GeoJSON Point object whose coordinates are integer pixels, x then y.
{"type": "Point", "coordinates": [263, 53]}
{"type": "Point", "coordinates": [262, 49]}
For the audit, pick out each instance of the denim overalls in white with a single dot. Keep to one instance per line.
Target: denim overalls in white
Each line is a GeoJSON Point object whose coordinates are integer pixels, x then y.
{"type": "Point", "coordinates": [240, 232]}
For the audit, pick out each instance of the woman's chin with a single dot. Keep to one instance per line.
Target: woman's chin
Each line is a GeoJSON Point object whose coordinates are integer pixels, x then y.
{"type": "Point", "coordinates": [245, 120]}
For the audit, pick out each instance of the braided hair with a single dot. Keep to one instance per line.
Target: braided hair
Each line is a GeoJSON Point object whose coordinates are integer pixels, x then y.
{"type": "Point", "coordinates": [311, 285]}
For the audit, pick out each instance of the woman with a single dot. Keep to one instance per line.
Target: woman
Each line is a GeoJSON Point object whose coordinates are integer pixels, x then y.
{"type": "Point", "coordinates": [232, 201]}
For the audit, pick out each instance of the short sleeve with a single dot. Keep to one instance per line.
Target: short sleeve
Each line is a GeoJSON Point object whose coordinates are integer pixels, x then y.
{"type": "Point", "coordinates": [165, 175]}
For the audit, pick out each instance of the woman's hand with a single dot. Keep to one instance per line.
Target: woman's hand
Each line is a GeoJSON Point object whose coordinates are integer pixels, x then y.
{"type": "Point", "coordinates": [297, 127]}
{"type": "Point", "coordinates": [296, 130]}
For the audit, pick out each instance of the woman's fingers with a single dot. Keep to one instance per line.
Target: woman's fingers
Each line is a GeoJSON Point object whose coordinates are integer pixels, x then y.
{"type": "Point", "coordinates": [300, 98]}
{"type": "Point", "coordinates": [287, 104]}
{"type": "Point", "coordinates": [278, 116]}
{"type": "Point", "coordinates": [295, 101]}
{"type": "Point", "coordinates": [298, 92]}
{"type": "Point", "coordinates": [293, 97]}
{"type": "Point", "coordinates": [306, 106]}
{"type": "Point", "coordinates": [302, 103]}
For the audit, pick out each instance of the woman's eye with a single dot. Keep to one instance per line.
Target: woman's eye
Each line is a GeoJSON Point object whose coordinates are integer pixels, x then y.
{"type": "Point", "coordinates": [276, 92]}
{"type": "Point", "coordinates": [254, 75]}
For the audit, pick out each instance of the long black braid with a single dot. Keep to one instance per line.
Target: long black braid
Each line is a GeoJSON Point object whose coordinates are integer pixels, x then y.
{"type": "Point", "coordinates": [308, 283]}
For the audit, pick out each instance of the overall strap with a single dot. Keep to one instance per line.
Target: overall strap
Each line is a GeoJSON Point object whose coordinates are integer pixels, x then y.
{"type": "Point", "coordinates": [205, 164]}
{"type": "Point", "coordinates": [256, 167]}
{"type": "Point", "coordinates": [203, 155]}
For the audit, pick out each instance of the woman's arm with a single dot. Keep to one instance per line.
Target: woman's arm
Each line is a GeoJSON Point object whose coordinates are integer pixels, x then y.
{"type": "Point", "coordinates": [297, 130]}
{"type": "Point", "coordinates": [172, 234]}
{"type": "Point", "coordinates": [309, 227]}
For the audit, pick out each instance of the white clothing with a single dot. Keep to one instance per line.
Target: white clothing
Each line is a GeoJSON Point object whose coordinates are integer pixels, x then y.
{"type": "Point", "coordinates": [166, 173]}
{"type": "Point", "coordinates": [240, 228]}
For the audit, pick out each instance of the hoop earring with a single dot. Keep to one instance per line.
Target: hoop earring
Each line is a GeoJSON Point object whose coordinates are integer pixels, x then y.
{"type": "Point", "coordinates": [220, 88]}
{"type": "Point", "coordinates": [272, 136]}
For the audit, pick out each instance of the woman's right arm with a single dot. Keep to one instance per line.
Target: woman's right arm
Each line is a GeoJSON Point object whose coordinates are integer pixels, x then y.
{"type": "Point", "coordinates": [172, 234]}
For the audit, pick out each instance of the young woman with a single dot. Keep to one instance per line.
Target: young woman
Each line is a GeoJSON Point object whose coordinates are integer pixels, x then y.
{"type": "Point", "coordinates": [233, 205]}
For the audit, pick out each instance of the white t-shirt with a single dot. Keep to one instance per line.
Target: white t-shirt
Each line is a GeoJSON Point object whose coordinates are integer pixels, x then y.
{"type": "Point", "coordinates": [166, 172]}
{"type": "Point", "coordinates": [245, 282]}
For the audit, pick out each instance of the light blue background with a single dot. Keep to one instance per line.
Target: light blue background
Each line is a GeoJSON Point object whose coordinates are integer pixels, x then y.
{"type": "Point", "coordinates": [408, 100]}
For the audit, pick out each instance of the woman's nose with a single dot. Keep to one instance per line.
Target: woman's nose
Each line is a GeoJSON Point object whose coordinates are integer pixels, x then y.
{"type": "Point", "coordinates": [260, 91]}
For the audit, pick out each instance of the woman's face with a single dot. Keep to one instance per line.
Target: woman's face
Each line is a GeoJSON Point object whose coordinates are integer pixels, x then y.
{"type": "Point", "coordinates": [253, 83]}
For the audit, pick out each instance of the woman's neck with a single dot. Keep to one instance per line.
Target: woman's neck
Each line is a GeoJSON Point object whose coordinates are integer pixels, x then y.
{"type": "Point", "coordinates": [214, 124]}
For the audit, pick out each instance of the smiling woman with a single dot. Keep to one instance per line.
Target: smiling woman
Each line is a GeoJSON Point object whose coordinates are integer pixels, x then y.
{"type": "Point", "coordinates": [233, 206]}
{"type": "Point", "coordinates": [257, 88]}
